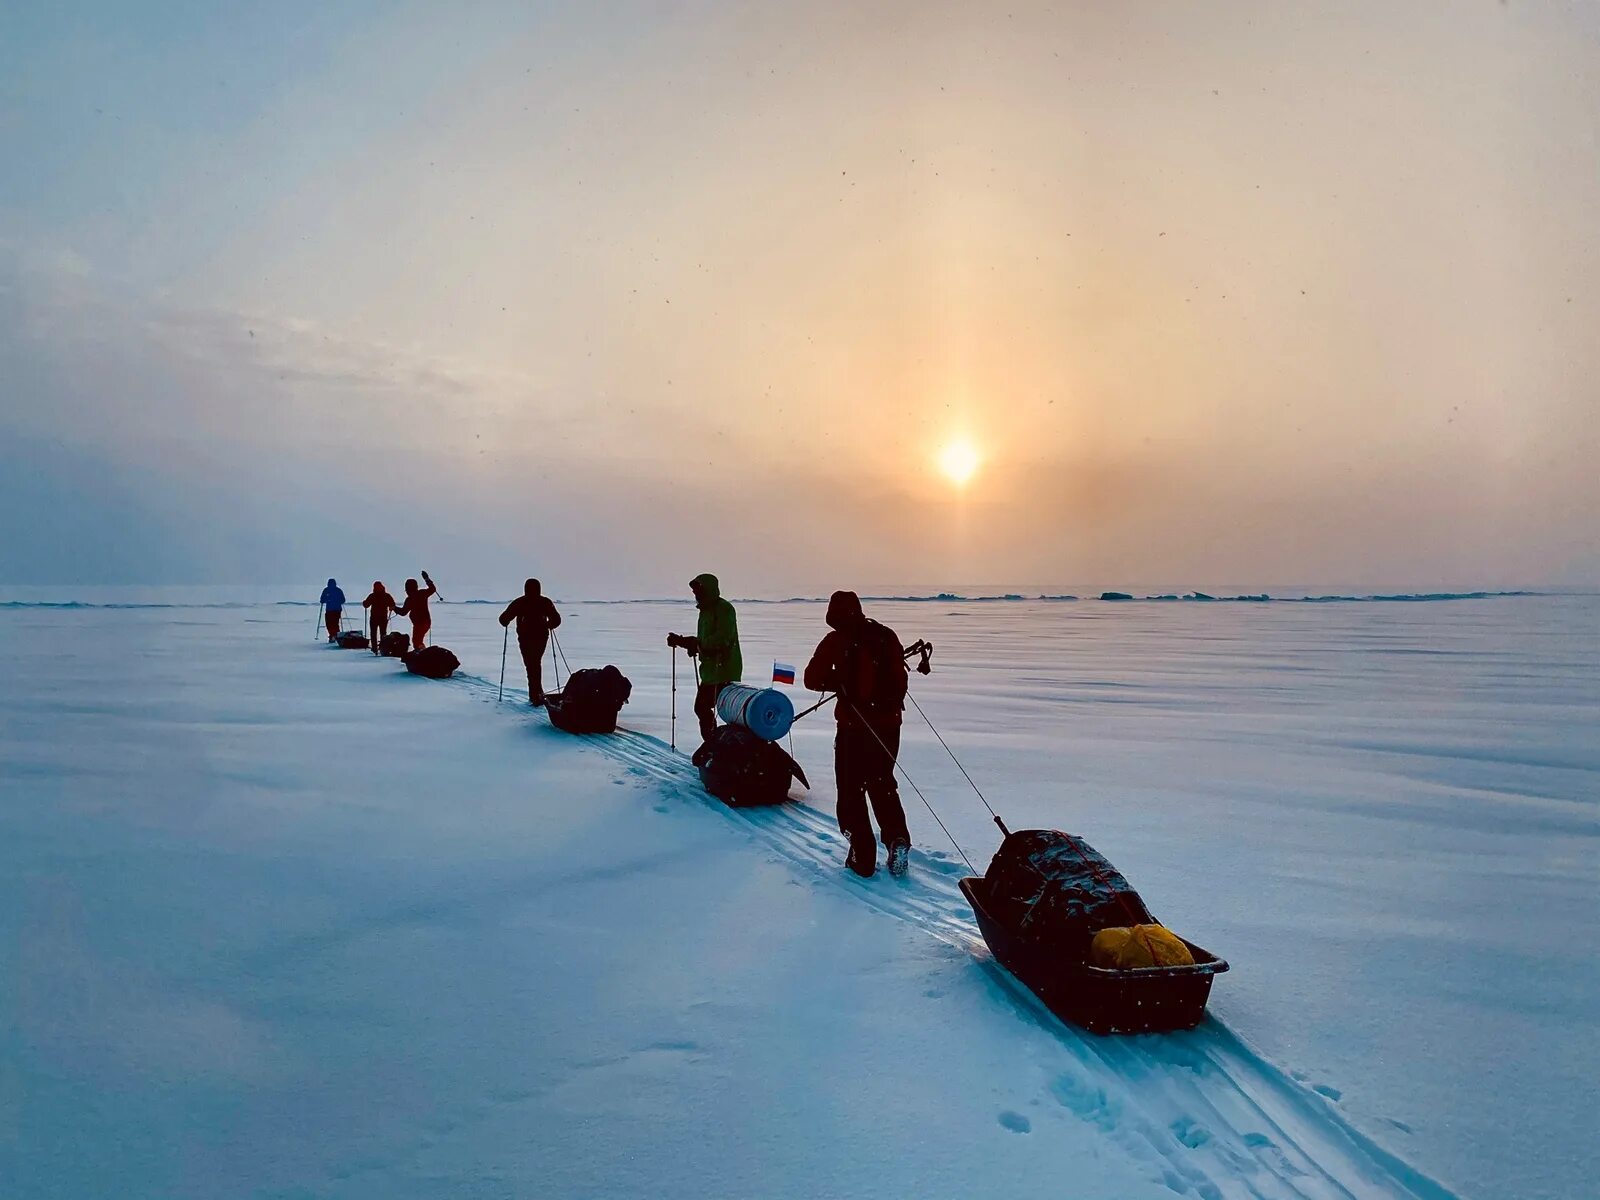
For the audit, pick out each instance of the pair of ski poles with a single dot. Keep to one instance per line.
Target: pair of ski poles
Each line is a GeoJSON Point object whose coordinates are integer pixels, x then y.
{"type": "Point", "coordinates": [505, 641]}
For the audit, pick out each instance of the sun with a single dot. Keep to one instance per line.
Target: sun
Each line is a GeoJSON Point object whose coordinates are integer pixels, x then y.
{"type": "Point", "coordinates": [959, 460]}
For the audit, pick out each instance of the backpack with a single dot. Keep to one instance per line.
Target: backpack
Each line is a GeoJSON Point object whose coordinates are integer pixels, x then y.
{"type": "Point", "coordinates": [394, 644]}
{"type": "Point", "coordinates": [1054, 886]}
{"type": "Point", "coordinates": [590, 701]}
{"type": "Point", "coordinates": [740, 769]}
{"type": "Point", "coordinates": [876, 669]}
{"type": "Point", "coordinates": [434, 662]}
{"type": "Point", "coordinates": [352, 639]}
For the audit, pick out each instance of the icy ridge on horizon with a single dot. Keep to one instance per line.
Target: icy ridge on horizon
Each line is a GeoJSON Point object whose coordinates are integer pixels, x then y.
{"type": "Point", "coordinates": [939, 597]}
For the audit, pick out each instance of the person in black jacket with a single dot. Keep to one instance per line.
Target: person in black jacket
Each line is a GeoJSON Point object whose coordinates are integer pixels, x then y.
{"type": "Point", "coordinates": [536, 616]}
{"type": "Point", "coordinates": [863, 662]}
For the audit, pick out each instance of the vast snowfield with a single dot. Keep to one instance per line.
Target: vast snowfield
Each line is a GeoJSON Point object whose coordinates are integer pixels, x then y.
{"type": "Point", "coordinates": [280, 920]}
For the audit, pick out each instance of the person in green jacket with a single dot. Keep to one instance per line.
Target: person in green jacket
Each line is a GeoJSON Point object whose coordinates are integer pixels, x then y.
{"type": "Point", "coordinates": [716, 644]}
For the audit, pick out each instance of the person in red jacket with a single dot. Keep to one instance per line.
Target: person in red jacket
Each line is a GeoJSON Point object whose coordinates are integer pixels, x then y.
{"type": "Point", "coordinates": [535, 616]}
{"type": "Point", "coordinates": [863, 662]}
{"type": "Point", "coordinates": [379, 604]}
{"type": "Point", "coordinates": [416, 607]}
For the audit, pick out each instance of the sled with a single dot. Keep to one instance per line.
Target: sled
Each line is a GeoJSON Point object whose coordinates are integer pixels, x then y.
{"type": "Point", "coordinates": [590, 702]}
{"type": "Point", "coordinates": [1144, 1000]}
{"type": "Point", "coordinates": [431, 662]}
{"type": "Point", "coordinates": [743, 771]}
{"type": "Point", "coordinates": [351, 639]}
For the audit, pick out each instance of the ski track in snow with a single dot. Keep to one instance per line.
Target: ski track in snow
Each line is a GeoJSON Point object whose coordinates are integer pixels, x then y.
{"type": "Point", "coordinates": [1210, 1115]}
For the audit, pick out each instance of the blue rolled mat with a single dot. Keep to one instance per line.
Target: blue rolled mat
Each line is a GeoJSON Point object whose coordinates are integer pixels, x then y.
{"type": "Point", "coordinates": [765, 712]}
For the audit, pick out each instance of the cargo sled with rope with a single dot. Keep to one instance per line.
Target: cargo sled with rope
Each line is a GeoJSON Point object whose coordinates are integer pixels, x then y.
{"type": "Point", "coordinates": [744, 770]}
{"type": "Point", "coordinates": [589, 701]}
{"type": "Point", "coordinates": [431, 662]}
{"type": "Point", "coordinates": [351, 639]}
{"type": "Point", "coordinates": [1063, 920]}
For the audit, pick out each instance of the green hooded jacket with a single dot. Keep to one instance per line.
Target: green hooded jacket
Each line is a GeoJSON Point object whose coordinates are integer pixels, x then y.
{"type": "Point", "coordinates": [718, 632]}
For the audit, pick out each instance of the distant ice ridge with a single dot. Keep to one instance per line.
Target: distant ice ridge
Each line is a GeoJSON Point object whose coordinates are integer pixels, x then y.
{"type": "Point", "coordinates": [939, 597]}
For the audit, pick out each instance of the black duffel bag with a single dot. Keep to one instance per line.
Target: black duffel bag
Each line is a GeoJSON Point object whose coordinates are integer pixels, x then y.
{"type": "Point", "coordinates": [590, 701]}
{"type": "Point", "coordinates": [435, 662]}
{"type": "Point", "coordinates": [741, 769]}
{"type": "Point", "coordinates": [1048, 884]}
{"type": "Point", "coordinates": [394, 644]}
{"type": "Point", "coordinates": [352, 639]}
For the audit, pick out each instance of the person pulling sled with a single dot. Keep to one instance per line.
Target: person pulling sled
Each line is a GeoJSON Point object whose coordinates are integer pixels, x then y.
{"type": "Point", "coordinates": [379, 604]}
{"type": "Point", "coordinates": [864, 663]}
{"type": "Point", "coordinates": [535, 616]}
{"type": "Point", "coordinates": [716, 644]}
{"type": "Point", "coordinates": [332, 608]}
{"type": "Point", "coordinates": [416, 607]}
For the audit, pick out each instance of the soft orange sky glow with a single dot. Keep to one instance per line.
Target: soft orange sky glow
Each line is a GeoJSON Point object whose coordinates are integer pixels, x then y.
{"type": "Point", "coordinates": [1236, 291]}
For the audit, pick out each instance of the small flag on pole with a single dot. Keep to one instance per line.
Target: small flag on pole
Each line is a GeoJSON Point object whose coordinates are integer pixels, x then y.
{"type": "Point", "coordinates": [782, 673]}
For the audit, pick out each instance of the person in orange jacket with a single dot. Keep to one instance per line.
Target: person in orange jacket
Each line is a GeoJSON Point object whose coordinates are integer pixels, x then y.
{"type": "Point", "coordinates": [416, 607]}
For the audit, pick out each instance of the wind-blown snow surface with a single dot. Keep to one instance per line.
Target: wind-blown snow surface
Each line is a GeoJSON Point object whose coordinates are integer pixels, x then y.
{"type": "Point", "coordinates": [280, 920]}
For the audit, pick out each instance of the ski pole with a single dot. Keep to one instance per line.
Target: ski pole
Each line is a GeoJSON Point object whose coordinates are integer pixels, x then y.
{"type": "Point", "coordinates": [505, 640]}
{"type": "Point", "coordinates": [672, 650]}
{"type": "Point", "coordinates": [315, 631]}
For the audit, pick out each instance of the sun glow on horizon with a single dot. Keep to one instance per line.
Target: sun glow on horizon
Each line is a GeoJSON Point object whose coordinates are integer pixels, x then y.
{"type": "Point", "coordinates": [959, 461]}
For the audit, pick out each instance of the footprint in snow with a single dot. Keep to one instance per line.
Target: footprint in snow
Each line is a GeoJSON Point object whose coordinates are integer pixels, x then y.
{"type": "Point", "coordinates": [1015, 1122]}
{"type": "Point", "coordinates": [1191, 1135]}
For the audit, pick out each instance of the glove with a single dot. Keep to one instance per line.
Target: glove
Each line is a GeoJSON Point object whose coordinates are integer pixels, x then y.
{"type": "Point", "coordinates": [691, 644]}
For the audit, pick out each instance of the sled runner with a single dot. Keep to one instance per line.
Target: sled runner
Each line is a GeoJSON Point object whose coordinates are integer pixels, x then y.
{"type": "Point", "coordinates": [741, 770]}
{"type": "Point", "coordinates": [590, 701]}
{"type": "Point", "coordinates": [434, 662]}
{"type": "Point", "coordinates": [1044, 897]}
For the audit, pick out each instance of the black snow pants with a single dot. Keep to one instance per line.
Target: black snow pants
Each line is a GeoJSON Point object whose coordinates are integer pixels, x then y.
{"type": "Point", "coordinates": [861, 770]}
{"type": "Point", "coordinates": [532, 648]}
{"type": "Point", "coordinates": [705, 707]}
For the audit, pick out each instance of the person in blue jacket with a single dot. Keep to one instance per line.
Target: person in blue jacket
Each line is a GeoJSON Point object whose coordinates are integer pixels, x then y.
{"type": "Point", "coordinates": [332, 607]}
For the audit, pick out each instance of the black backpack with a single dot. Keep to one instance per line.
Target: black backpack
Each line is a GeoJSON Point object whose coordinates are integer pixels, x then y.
{"type": "Point", "coordinates": [874, 669]}
{"type": "Point", "coordinates": [351, 639]}
{"type": "Point", "coordinates": [394, 644]}
{"type": "Point", "coordinates": [590, 701]}
{"type": "Point", "coordinates": [435, 662]}
{"type": "Point", "coordinates": [741, 769]}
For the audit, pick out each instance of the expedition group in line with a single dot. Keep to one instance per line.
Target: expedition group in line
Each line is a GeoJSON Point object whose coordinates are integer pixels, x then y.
{"type": "Point", "coordinates": [860, 660]}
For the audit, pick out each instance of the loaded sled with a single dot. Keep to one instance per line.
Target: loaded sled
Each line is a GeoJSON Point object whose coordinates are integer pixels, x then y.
{"type": "Point", "coordinates": [743, 770]}
{"type": "Point", "coordinates": [590, 701]}
{"type": "Point", "coordinates": [431, 662]}
{"type": "Point", "coordinates": [1041, 904]}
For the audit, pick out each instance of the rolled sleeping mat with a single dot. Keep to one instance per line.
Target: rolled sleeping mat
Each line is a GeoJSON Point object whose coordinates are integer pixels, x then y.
{"type": "Point", "coordinates": [765, 712]}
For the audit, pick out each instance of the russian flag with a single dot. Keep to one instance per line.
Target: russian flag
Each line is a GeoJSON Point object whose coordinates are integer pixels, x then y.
{"type": "Point", "coordinates": [782, 673]}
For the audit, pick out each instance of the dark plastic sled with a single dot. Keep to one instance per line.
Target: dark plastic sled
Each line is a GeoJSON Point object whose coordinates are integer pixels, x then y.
{"type": "Point", "coordinates": [590, 702]}
{"type": "Point", "coordinates": [352, 639]}
{"type": "Point", "coordinates": [1145, 1000]}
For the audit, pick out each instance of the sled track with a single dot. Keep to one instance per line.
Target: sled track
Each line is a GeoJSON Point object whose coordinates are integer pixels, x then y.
{"type": "Point", "coordinates": [1205, 1111]}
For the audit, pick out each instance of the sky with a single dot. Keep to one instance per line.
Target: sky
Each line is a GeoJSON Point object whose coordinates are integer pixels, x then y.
{"type": "Point", "coordinates": [616, 293]}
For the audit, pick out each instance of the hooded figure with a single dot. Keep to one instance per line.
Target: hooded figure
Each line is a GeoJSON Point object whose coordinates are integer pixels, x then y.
{"type": "Point", "coordinates": [332, 607]}
{"type": "Point", "coordinates": [535, 616]}
{"type": "Point", "coordinates": [716, 644]}
{"type": "Point", "coordinates": [864, 663]}
{"type": "Point", "coordinates": [416, 607]}
{"type": "Point", "coordinates": [379, 604]}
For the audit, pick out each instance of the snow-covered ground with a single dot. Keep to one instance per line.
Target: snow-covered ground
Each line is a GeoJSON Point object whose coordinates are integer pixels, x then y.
{"type": "Point", "coordinates": [281, 920]}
